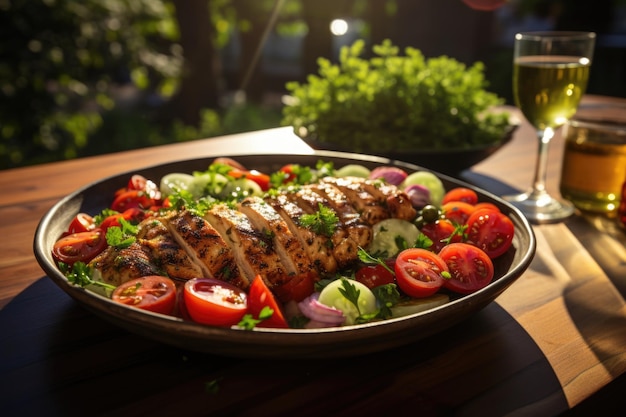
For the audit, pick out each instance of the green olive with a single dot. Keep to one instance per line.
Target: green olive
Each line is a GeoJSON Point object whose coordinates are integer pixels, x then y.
{"type": "Point", "coordinates": [430, 213]}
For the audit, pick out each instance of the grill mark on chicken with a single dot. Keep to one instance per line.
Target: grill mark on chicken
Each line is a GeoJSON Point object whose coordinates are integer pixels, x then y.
{"type": "Point", "coordinates": [254, 252]}
{"type": "Point", "coordinates": [374, 200]}
{"type": "Point", "coordinates": [207, 248]}
{"type": "Point", "coordinates": [271, 223]}
{"type": "Point", "coordinates": [165, 251]}
{"type": "Point", "coordinates": [344, 247]}
{"type": "Point", "coordinates": [117, 266]}
{"type": "Point", "coordinates": [371, 209]}
{"type": "Point", "coordinates": [317, 247]}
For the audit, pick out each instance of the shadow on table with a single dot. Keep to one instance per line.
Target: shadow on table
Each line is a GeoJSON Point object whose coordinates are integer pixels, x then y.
{"type": "Point", "coordinates": [609, 250]}
{"type": "Point", "coordinates": [59, 359]}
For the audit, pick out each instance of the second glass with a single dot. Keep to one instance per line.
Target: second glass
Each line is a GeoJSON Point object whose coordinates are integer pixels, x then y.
{"type": "Point", "coordinates": [550, 74]}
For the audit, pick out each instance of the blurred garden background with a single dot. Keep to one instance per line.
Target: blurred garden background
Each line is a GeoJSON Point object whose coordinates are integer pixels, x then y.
{"type": "Point", "coordinates": [85, 77]}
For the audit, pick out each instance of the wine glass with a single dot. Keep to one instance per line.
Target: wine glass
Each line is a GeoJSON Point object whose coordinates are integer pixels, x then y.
{"type": "Point", "coordinates": [550, 74]}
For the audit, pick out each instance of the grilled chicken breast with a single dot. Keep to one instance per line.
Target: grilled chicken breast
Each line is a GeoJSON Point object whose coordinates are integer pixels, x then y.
{"type": "Point", "coordinates": [262, 236]}
{"type": "Point", "coordinates": [207, 248]}
{"type": "Point", "coordinates": [252, 249]}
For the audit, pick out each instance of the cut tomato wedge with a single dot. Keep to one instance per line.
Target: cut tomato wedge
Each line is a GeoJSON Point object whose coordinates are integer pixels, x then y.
{"type": "Point", "coordinates": [419, 272]}
{"type": "Point", "coordinates": [213, 302]}
{"type": "Point", "coordinates": [259, 297]}
{"type": "Point", "coordinates": [470, 268]}
{"type": "Point", "coordinates": [153, 293]}
{"type": "Point", "coordinates": [79, 247]}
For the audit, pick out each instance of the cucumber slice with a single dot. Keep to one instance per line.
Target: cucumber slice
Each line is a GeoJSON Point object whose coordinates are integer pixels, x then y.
{"type": "Point", "coordinates": [386, 234]}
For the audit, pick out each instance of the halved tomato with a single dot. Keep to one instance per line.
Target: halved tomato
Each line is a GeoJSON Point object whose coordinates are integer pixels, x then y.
{"type": "Point", "coordinates": [492, 231]}
{"type": "Point", "coordinates": [82, 222]}
{"type": "Point", "coordinates": [133, 215]}
{"type": "Point", "coordinates": [209, 301]}
{"type": "Point", "coordinates": [141, 183]}
{"type": "Point", "coordinates": [467, 195]}
{"type": "Point", "coordinates": [153, 293]}
{"type": "Point", "coordinates": [470, 268]}
{"type": "Point", "coordinates": [132, 199]}
{"type": "Point", "coordinates": [457, 211]}
{"type": "Point", "coordinates": [441, 233]}
{"type": "Point", "coordinates": [419, 272]}
{"type": "Point", "coordinates": [260, 296]}
{"type": "Point", "coordinates": [297, 288]}
{"type": "Point", "coordinates": [79, 247]}
{"type": "Point", "coordinates": [373, 276]}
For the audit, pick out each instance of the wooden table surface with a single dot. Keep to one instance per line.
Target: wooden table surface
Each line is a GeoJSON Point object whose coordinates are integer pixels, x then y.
{"type": "Point", "coordinates": [546, 345]}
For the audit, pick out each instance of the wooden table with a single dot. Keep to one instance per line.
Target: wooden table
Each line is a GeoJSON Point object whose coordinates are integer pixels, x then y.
{"type": "Point", "coordinates": [551, 341]}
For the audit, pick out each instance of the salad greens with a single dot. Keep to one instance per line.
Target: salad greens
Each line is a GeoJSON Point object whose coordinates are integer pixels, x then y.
{"type": "Point", "coordinates": [392, 103]}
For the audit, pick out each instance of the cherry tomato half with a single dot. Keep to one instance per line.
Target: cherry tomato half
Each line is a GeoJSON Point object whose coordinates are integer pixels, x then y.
{"type": "Point", "coordinates": [83, 246]}
{"type": "Point", "coordinates": [441, 233]}
{"type": "Point", "coordinates": [375, 275]}
{"type": "Point", "coordinates": [262, 180]}
{"type": "Point", "coordinates": [457, 211]}
{"type": "Point", "coordinates": [260, 296]}
{"type": "Point", "coordinates": [418, 272]}
{"type": "Point", "coordinates": [153, 293]}
{"type": "Point", "coordinates": [133, 215]}
{"type": "Point", "coordinates": [82, 222]}
{"type": "Point", "coordinates": [297, 288]}
{"type": "Point", "coordinates": [132, 199]}
{"type": "Point", "coordinates": [213, 302]}
{"type": "Point", "coordinates": [466, 195]}
{"type": "Point", "coordinates": [470, 268]}
{"type": "Point", "coordinates": [141, 183]}
{"type": "Point", "coordinates": [491, 231]}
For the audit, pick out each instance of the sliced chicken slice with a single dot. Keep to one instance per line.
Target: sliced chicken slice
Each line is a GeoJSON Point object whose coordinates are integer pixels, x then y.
{"type": "Point", "coordinates": [253, 251]}
{"type": "Point", "coordinates": [271, 223]}
{"type": "Point", "coordinates": [117, 266]}
{"type": "Point", "coordinates": [344, 247]}
{"type": "Point", "coordinates": [317, 247]}
{"type": "Point", "coordinates": [207, 248]}
{"type": "Point", "coordinates": [370, 208]}
{"type": "Point", "coordinates": [165, 251]}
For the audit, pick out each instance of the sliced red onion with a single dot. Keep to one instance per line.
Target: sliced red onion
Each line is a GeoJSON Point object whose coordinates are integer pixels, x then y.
{"type": "Point", "coordinates": [392, 175]}
{"type": "Point", "coordinates": [418, 194]}
{"type": "Point", "coordinates": [320, 314]}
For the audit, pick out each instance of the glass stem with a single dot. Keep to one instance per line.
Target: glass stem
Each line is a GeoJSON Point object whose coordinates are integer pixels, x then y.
{"type": "Point", "coordinates": [541, 168]}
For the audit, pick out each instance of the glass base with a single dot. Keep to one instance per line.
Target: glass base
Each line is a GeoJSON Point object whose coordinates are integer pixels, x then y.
{"type": "Point", "coordinates": [541, 208]}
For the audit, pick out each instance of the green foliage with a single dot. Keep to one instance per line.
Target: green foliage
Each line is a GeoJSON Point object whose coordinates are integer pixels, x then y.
{"type": "Point", "coordinates": [393, 102]}
{"type": "Point", "coordinates": [58, 59]}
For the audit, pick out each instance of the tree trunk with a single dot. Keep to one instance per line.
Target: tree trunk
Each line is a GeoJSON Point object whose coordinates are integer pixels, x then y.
{"type": "Point", "coordinates": [201, 70]}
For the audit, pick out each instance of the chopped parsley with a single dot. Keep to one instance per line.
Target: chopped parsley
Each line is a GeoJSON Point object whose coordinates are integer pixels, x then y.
{"type": "Point", "coordinates": [323, 222]}
{"type": "Point", "coordinates": [121, 236]}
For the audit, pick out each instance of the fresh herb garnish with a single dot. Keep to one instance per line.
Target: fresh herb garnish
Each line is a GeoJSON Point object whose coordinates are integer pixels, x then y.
{"type": "Point", "coordinates": [248, 322]}
{"type": "Point", "coordinates": [121, 236]}
{"type": "Point", "coordinates": [387, 296]}
{"type": "Point", "coordinates": [366, 258]}
{"type": "Point", "coordinates": [80, 274]}
{"type": "Point", "coordinates": [323, 222]}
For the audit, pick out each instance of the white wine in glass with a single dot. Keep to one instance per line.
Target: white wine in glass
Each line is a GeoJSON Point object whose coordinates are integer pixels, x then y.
{"type": "Point", "coordinates": [550, 74]}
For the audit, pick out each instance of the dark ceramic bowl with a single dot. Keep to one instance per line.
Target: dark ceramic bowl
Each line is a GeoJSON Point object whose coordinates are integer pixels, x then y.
{"type": "Point", "coordinates": [446, 161]}
{"type": "Point", "coordinates": [275, 343]}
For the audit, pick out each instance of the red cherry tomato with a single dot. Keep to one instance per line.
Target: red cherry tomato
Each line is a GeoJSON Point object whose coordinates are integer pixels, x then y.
{"type": "Point", "coordinates": [261, 179]}
{"type": "Point", "coordinates": [133, 215]}
{"type": "Point", "coordinates": [485, 5]}
{"type": "Point", "coordinates": [297, 288]}
{"type": "Point", "coordinates": [83, 247]}
{"type": "Point", "coordinates": [213, 302]}
{"type": "Point", "coordinates": [418, 272]}
{"type": "Point", "coordinates": [470, 268]}
{"type": "Point", "coordinates": [82, 222]}
{"type": "Point", "coordinates": [457, 211]}
{"type": "Point", "coordinates": [486, 205]}
{"type": "Point", "coordinates": [374, 275]}
{"type": "Point", "coordinates": [441, 233]}
{"type": "Point", "coordinates": [491, 231]}
{"type": "Point", "coordinates": [466, 195]}
{"type": "Point", "coordinates": [153, 293]}
{"type": "Point", "coordinates": [260, 296]}
{"type": "Point", "coordinates": [132, 199]}
{"type": "Point", "coordinates": [141, 183]}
